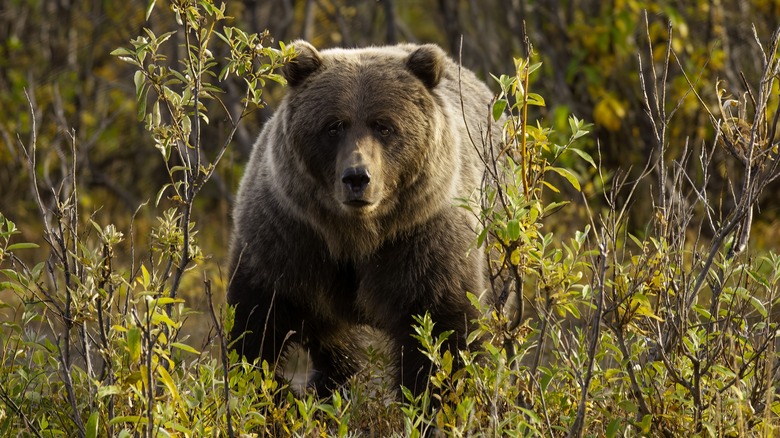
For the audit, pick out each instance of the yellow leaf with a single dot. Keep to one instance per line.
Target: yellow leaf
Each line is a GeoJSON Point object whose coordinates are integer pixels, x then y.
{"type": "Point", "coordinates": [165, 377]}
{"type": "Point", "coordinates": [609, 113]}
{"type": "Point", "coordinates": [514, 258]}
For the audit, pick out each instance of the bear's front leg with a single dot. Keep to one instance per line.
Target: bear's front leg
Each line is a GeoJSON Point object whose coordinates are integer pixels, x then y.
{"type": "Point", "coordinates": [264, 321]}
{"type": "Point", "coordinates": [337, 354]}
{"type": "Point", "coordinates": [428, 271]}
{"type": "Point", "coordinates": [414, 367]}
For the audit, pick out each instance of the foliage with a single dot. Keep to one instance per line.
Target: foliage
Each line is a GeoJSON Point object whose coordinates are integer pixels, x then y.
{"type": "Point", "coordinates": [588, 49]}
{"type": "Point", "coordinates": [95, 349]}
{"type": "Point", "coordinates": [666, 327]}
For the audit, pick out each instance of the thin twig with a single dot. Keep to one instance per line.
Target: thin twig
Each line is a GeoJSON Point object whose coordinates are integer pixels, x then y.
{"type": "Point", "coordinates": [223, 351]}
{"type": "Point", "coordinates": [579, 421]}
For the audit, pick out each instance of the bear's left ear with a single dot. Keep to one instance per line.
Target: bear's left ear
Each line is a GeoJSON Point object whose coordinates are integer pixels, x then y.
{"type": "Point", "coordinates": [427, 63]}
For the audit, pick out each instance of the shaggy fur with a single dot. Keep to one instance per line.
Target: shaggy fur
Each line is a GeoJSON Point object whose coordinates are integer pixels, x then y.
{"type": "Point", "coordinates": [345, 216]}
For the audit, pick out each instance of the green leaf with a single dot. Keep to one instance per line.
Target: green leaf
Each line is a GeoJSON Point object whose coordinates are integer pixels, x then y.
{"type": "Point", "coordinates": [139, 80]}
{"type": "Point", "coordinates": [328, 409]}
{"type": "Point", "coordinates": [36, 271]}
{"type": "Point", "coordinates": [580, 236]}
{"type": "Point", "coordinates": [720, 369]}
{"type": "Point", "coordinates": [535, 99]}
{"type": "Point", "coordinates": [645, 424]}
{"type": "Point", "coordinates": [533, 67]}
{"type": "Point", "coordinates": [552, 206]}
{"type": "Point", "coordinates": [704, 313]}
{"type": "Point", "coordinates": [161, 193]}
{"type": "Point", "coordinates": [108, 390]}
{"type": "Point", "coordinates": [505, 82]}
{"type": "Point", "coordinates": [710, 428]}
{"type": "Point", "coordinates": [7, 285]}
{"type": "Point", "coordinates": [156, 117]}
{"type": "Point", "coordinates": [121, 51]}
{"type": "Point", "coordinates": [613, 427]}
{"type": "Point", "coordinates": [568, 175]}
{"type": "Point", "coordinates": [149, 8]}
{"type": "Point", "coordinates": [93, 425]}
{"type": "Point", "coordinates": [186, 126]}
{"type": "Point", "coordinates": [628, 406]}
{"type": "Point", "coordinates": [758, 305]}
{"type": "Point", "coordinates": [547, 376]}
{"type": "Point", "coordinates": [25, 245]}
{"type": "Point", "coordinates": [498, 108]}
{"type": "Point", "coordinates": [164, 37]}
{"type": "Point", "coordinates": [141, 94]}
{"type": "Point", "coordinates": [578, 127]}
{"type": "Point", "coordinates": [482, 236]}
{"type": "Point", "coordinates": [585, 156]}
{"type": "Point", "coordinates": [513, 229]}
{"type": "Point", "coordinates": [574, 123]}
{"type": "Point", "coordinates": [636, 241]}
{"type": "Point", "coordinates": [132, 419]}
{"type": "Point", "coordinates": [184, 347]}
{"type": "Point", "coordinates": [134, 343]}
{"type": "Point", "coordinates": [757, 277]}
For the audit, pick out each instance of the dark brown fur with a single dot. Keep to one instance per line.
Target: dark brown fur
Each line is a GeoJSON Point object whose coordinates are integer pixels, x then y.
{"type": "Point", "coordinates": [345, 216]}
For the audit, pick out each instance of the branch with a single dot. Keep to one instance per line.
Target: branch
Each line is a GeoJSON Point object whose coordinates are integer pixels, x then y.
{"type": "Point", "coordinates": [223, 351]}
{"type": "Point", "coordinates": [577, 428]}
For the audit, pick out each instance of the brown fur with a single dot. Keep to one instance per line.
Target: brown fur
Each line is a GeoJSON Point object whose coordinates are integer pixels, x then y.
{"type": "Point", "coordinates": [345, 216]}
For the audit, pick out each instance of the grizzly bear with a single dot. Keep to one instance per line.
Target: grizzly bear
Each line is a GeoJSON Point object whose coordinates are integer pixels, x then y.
{"type": "Point", "coordinates": [347, 217]}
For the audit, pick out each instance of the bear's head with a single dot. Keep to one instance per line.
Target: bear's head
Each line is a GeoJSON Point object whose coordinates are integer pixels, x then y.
{"type": "Point", "coordinates": [367, 128]}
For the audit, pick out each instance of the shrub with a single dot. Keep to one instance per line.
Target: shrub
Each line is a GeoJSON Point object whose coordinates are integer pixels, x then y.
{"type": "Point", "coordinates": [666, 328]}
{"type": "Point", "coordinates": [96, 348]}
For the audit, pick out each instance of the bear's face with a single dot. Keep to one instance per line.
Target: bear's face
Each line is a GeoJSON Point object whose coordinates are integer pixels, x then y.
{"type": "Point", "coordinates": [363, 124]}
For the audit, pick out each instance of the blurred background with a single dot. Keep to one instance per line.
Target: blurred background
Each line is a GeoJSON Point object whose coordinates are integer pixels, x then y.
{"type": "Point", "coordinates": [58, 53]}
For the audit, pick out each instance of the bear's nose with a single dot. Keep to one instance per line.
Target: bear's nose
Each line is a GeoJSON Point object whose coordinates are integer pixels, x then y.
{"type": "Point", "coordinates": [356, 179]}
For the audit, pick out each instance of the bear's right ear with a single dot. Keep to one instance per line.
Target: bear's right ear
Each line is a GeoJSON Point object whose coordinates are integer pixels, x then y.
{"type": "Point", "coordinates": [306, 62]}
{"type": "Point", "coordinates": [427, 63]}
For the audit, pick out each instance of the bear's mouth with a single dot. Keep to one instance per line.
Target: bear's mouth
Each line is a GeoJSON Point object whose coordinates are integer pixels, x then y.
{"type": "Point", "coordinates": [357, 203]}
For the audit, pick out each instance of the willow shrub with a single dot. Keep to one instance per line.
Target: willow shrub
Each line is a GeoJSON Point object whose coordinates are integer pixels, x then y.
{"type": "Point", "coordinates": [666, 328]}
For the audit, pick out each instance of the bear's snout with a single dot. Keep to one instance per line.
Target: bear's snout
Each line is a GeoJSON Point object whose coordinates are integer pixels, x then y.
{"type": "Point", "coordinates": [356, 179]}
{"type": "Point", "coordinates": [358, 171]}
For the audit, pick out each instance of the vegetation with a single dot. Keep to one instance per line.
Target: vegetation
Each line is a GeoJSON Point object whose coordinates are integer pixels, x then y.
{"type": "Point", "coordinates": [619, 313]}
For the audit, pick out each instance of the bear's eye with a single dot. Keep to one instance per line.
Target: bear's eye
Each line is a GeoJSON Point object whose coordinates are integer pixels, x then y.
{"type": "Point", "coordinates": [335, 128]}
{"type": "Point", "coordinates": [383, 129]}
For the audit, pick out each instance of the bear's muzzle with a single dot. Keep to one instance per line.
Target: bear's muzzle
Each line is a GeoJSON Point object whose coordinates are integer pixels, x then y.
{"type": "Point", "coordinates": [356, 181]}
